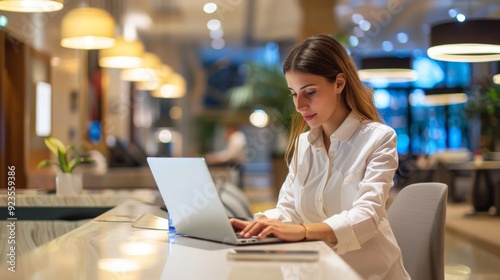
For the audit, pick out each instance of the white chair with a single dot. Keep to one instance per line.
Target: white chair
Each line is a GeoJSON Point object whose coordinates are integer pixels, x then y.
{"type": "Point", "coordinates": [417, 217]}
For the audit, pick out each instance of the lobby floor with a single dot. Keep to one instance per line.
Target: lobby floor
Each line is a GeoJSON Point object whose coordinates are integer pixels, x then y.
{"type": "Point", "coordinates": [472, 243]}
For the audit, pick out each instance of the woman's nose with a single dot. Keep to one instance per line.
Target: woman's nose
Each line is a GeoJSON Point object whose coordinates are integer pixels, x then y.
{"type": "Point", "coordinates": [300, 103]}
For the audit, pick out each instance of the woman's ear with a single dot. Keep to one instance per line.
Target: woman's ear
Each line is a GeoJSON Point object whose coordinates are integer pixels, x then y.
{"type": "Point", "coordinates": [340, 82]}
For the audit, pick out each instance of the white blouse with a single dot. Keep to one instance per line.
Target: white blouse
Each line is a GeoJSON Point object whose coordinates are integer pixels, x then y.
{"type": "Point", "coordinates": [347, 188]}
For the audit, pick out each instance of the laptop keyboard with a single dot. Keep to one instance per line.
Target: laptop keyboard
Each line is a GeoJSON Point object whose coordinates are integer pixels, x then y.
{"type": "Point", "coordinates": [241, 237]}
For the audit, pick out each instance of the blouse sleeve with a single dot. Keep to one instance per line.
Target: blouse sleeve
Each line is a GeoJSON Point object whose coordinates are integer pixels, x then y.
{"type": "Point", "coordinates": [355, 226]}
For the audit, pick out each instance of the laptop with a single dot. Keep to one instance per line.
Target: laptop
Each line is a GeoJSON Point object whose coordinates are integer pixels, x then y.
{"type": "Point", "coordinates": [192, 200]}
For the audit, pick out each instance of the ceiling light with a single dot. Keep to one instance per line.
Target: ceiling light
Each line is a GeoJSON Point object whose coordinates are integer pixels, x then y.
{"type": "Point", "coordinates": [150, 64]}
{"type": "Point", "coordinates": [387, 46]}
{"type": "Point", "coordinates": [213, 24]}
{"type": "Point", "coordinates": [402, 37]}
{"type": "Point", "coordinates": [452, 13]}
{"type": "Point", "coordinates": [3, 21]}
{"type": "Point", "coordinates": [468, 41]}
{"type": "Point", "coordinates": [440, 97]}
{"type": "Point", "coordinates": [174, 88]}
{"type": "Point", "coordinates": [496, 79]}
{"type": "Point", "coordinates": [259, 118]}
{"type": "Point", "coordinates": [87, 28]}
{"type": "Point", "coordinates": [445, 99]}
{"type": "Point", "coordinates": [31, 6]}
{"type": "Point", "coordinates": [218, 43]}
{"type": "Point", "coordinates": [216, 34]}
{"type": "Point", "coordinates": [160, 77]}
{"type": "Point", "coordinates": [461, 17]}
{"type": "Point", "coordinates": [388, 69]}
{"type": "Point", "coordinates": [124, 54]}
{"type": "Point", "coordinates": [210, 8]}
{"type": "Point", "coordinates": [175, 112]}
{"type": "Point", "coordinates": [357, 18]}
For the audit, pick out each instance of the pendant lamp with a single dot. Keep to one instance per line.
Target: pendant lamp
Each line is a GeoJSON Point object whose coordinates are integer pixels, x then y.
{"type": "Point", "coordinates": [496, 70]}
{"type": "Point", "coordinates": [150, 64]}
{"type": "Point", "coordinates": [160, 77]}
{"type": "Point", "coordinates": [88, 29]}
{"type": "Point", "coordinates": [175, 87]}
{"type": "Point", "coordinates": [474, 40]}
{"type": "Point", "coordinates": [387, 69]}
{"type": "Point", "coordinates": [440, 97]}
{"type": "Point", "coordinates": [496, 79]}
{"type": "Point", "coordinates": [31, 6]}
{"type": "Point", "coordinates": [124, 54]}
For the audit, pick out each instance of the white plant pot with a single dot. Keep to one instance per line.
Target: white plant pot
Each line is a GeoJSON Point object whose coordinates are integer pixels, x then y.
{"type": "Point", "coordinates": [69, 183]}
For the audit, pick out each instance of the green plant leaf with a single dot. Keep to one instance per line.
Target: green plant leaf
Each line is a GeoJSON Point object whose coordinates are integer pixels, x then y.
{"type": "Point", "coordinates": [77, 161]}
{"type": "Point", "coordinates": [45, 163]}
{"type": "Point", "coordinates": [54, 145]}
{"type": "Point", "coordinates": [68, 157]}
{"type": "Point", "coordinates": [63, 161]}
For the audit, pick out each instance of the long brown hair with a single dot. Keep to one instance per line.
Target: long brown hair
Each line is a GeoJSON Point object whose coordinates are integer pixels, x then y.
{"type": "Point", "coordinates": [324, 56]}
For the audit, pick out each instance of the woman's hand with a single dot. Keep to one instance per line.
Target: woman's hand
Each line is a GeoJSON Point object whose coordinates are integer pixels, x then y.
{"type": "Point", "coordinates": [264, 227]}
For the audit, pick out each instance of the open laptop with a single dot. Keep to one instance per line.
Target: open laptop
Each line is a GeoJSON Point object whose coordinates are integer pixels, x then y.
{"type": "Point", "coordinates": [190, 195]}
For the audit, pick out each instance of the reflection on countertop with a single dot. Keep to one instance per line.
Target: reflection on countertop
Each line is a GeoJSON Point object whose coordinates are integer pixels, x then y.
{"type": "Point", "coordinates": [85, 249]}
{"type": "Point", "coordinates": [40, 217]}
{"type": "Point", "coordinates": [116, 245]}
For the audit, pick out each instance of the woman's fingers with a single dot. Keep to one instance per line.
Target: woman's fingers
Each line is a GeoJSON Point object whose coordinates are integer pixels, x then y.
{"type": "Point", "coordinates": [248, 229]}
{"type": "Point", "coordinates": [265, 227]}
{"type": "Point", "coordinates": [266, 231]}
{"type": "Point", "coordinates": [256, 227]}
{"type": "Point", "coordinates": [288, 232]}
{"type": "Point", "coordinates": [238, 224]}
{"type": "Point", "coordinates": [251, 229]}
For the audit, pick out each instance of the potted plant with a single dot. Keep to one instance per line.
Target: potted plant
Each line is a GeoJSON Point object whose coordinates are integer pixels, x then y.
{"type": "Point", "coordinates": [265, 88]}
{"type": "Point", "coordinates": [486, 107]}
{"type": "Point", "coordinates": [68, 158]}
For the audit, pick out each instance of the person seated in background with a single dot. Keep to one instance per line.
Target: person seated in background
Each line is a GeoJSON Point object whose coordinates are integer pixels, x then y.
{"type": "Point", "coordinates": [234, 156]}
{"type": "Point", "coordinates": [235, 151]}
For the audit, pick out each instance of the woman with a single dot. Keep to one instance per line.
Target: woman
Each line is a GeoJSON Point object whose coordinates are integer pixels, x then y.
{"type": "Point", "coordinates": [340, 170]}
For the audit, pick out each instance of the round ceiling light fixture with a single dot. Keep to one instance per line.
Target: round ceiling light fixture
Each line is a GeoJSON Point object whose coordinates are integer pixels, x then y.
{"type": "Point", "coordinates": [468, 41]}
{"type": "Point", "coordinates": [124, 54]}
{"type": "Point", "coordinates": [387, 69]}
{"type": "Point", "coordinates": [88, 29]}
{"type": "Point", "coordinates": [31, 6]}
{"type": "Point", "coordinates": [146, 72]}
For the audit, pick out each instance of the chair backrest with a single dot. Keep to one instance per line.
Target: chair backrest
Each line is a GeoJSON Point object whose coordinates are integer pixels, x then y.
{"type": "Point", "coordinates": [417, 217]}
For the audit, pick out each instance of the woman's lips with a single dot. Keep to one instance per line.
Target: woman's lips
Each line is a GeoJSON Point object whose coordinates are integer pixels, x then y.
{"type": "Point", "coordinates": [308, 117]}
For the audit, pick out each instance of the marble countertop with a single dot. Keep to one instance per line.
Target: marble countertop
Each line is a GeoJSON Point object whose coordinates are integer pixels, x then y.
{"type": "Point", "coordinates": [32, 233]}
{"type": "Point", "coordinates": [131, 242]}
{"type": "Point", "coordinates": [103, 198]}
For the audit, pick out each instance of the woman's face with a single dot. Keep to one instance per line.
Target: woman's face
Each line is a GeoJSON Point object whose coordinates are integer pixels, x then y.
{"type": "Point", "coordinates": [317, 100]}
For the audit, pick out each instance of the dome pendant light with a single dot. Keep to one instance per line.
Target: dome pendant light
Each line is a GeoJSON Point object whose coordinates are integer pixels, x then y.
{"type": "Point", "coordinates": [31, 6]}
{"type": "Point", "coordinates": [88, 29]}
{"type": "Point", "coordinates": [387, 69]}
{"type": "Point", "coordinates": [175, 87]}
{"type": "Point", "coordinates": [124, 54]}
{"type": "Point", "coordinates": [444, 96]}
{"type": "Point", "coordinates": [150, 64]}
{"type": "Point", "coordinates": [469, 41]}
{"type": "Point", "coordinates": [496, 79]}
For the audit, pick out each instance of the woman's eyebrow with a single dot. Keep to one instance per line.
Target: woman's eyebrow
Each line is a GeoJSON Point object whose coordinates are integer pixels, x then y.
{"type": "Point", "coordinates": [303, 87]}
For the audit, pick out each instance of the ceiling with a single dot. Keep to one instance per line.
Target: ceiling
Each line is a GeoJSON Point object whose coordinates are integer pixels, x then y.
{"type": "Point", "coordinates": [253, 22]}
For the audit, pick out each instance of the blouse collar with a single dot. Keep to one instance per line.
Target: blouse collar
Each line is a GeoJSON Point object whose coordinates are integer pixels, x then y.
{"type": "Point", "coordinates": [343, 133]}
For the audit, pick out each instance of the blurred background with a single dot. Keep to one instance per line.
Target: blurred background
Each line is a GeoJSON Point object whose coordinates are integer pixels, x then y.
{"type": "Point", "coordinates": [127, 79]}
{"type": "Point", "coordinates": [205, 64]}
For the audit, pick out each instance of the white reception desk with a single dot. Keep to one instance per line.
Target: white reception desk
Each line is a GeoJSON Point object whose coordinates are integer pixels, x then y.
{"type": "Point", "coordinates": [120, 244]}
